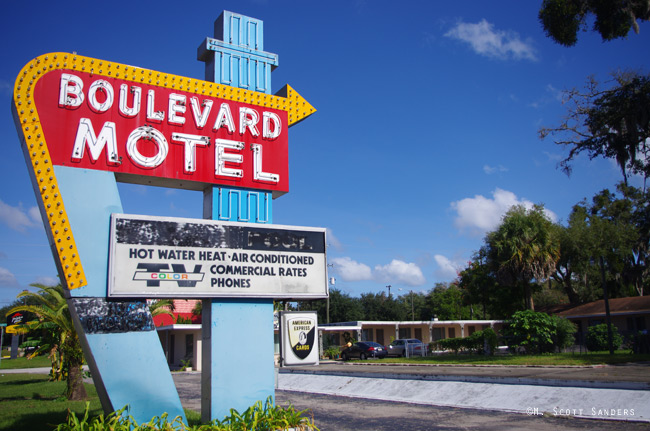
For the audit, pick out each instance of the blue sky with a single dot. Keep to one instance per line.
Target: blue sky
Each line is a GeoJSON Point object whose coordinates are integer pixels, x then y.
{"type": "Point", "coordinates": [426, 130]}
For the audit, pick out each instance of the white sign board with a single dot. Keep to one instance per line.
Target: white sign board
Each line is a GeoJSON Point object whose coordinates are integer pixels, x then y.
{"type": "Point", "coordinates": [299, 337]}
{"type": "Point", "coordinates": [164, 257]}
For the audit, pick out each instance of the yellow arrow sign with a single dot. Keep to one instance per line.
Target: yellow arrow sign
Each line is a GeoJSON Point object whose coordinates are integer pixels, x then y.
{"type": "Point", "coordinates": [29, 125]}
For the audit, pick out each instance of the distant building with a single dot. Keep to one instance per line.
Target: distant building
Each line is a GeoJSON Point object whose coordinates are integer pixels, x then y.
{"type": "Point", "coordinates": [630, 315]}
{"type": "Point", "coordinates": [181, 341]}
{"type": "Point", "coordinates": [383, 332]}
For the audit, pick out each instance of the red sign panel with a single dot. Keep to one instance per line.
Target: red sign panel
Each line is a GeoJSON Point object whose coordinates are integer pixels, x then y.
{"type": "Point", "coordinates": [158, 135]}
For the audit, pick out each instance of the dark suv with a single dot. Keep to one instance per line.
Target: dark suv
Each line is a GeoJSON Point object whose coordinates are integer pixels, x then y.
{"type": "Point", "coordinates": [364, 350]}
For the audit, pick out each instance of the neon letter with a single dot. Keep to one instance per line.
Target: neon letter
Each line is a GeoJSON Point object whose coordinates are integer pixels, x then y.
{"type": "Point", "coordinates": [157, 116]}
{"type": "Point", "coordinates": [258, 174]}
{"type": "Point", "coordinates": [71, 91]}
{"type": "Point", "coordinates": [86, 135]}
{"type": "Point", "coordinates": [149, 133]}
{"type": "Point", "coordinates": [248, 117]}
{"type": "Point", "coordinates": [137, 97]}
{"type": "Point", "coordinates": [176, 106]}
{"type": "Point", "coordinates": [221, 157]}
{"type": "Point", "coordinates": [269, 117]}
{"type": "Point", "coordinates": [190, 141]}
{"type": "Point", "coordinates": [224, 117]}
{"type": "Point", "coordinates": [200, 116]}
{"type": "Point", "coordinates": [107, 88]}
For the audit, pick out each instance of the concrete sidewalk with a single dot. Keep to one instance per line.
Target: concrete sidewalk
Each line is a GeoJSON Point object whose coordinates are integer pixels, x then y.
{"type": "Point", "coordinates": [604, 392]}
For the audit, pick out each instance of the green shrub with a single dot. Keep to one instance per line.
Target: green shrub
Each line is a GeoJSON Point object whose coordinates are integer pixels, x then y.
{"type": "Point", "coordinates": [332, 352]}
{"type": "Point", "coordinates": [484, 341]}
{"type": "Point", "coordinates": [490, 341]}
{"type": "Point", "coordinates": [597, 338]}
{"type": "Point", "coordinates": [564, 333]}
{"type": "Point", "coordinates": [455, 344]}
{"type": "Point", "coordinates": [532, 331]}
{"type": "Point", "coordinates": [260, 417]}
{"type": "Point", "coordinates": [641, 343]}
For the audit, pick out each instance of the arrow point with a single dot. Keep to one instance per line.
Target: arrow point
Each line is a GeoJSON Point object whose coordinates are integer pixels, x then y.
{"type": "Point", "coordinates": [299, 108]}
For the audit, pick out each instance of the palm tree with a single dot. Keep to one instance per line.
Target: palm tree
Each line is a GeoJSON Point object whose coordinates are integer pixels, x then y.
{"type": "Point", "coordinates": [523, 250]}
{"type": "Point", "coordinates": [161, 306]}
{"type": "Point", "coordinates": [63, 343]}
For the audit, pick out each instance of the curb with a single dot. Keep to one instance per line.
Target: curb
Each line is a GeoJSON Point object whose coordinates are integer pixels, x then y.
{"type": "Point", "coordinates": [591, 384]}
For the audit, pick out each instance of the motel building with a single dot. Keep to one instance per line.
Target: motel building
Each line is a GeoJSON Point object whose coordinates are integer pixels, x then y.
{"type": "Point", "coordinates": [181, 342]}
{"type": "Point", "coordinates": [383, 332]}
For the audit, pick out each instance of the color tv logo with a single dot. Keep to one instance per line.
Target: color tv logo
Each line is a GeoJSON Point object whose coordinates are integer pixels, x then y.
{"type": "Point", "coordinates": [155, 273]}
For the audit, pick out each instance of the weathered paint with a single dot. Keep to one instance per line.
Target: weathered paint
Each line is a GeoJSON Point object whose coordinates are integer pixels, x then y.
{"type": "Point", "coordinates": [124, 355]}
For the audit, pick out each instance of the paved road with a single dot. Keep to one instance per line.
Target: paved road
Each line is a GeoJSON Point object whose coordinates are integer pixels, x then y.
{"type": "Point", "coordinates": [332, 413]}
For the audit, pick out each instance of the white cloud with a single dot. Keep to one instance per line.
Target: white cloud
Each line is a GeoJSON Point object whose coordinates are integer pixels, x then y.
{"type": "Point", "coordinates": [479, 214]}
{"type": "Point", "coordinates": [446, 268]}
{"type": "Point", "coordinates": [400, 272]}
{"type": "Point", "coordinates": [7, 278]}
{"type": "Point", "coordinates": [16, 217]}
{"type": "Point", "coordinates": [333, 241]}
{"type": "Point", "coordinates": [351, 270]}
{"type": "Point", "coordinates": [494, 169]}
{"type": "Point", "coordinates": [397, 272]}
{"type": "Point", "coordinates": [47, 281]}
{"type": "Point", "coordinates": [487, 41]}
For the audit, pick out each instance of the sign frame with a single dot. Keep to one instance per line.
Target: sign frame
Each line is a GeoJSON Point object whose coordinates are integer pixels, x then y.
{"type": "Point", "coordinates": [299, 322]}
{"type": "Point", "coordinates": [169, 257]}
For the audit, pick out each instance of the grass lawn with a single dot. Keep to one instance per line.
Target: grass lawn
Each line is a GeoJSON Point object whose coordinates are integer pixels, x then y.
{"type": "Point", "coordinates": [31, 402]}
{"type": "Point", "coordinates": [37, 362]}
{"type": "Point", "coordinates": [557, 359]}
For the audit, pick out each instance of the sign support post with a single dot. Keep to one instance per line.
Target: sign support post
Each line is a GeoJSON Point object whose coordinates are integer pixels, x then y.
{"type": "Point", "coordinates": [238, 346]}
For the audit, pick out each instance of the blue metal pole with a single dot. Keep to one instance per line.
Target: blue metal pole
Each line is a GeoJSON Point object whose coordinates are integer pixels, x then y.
{"type": "Point", "coordinates": [238, 347]}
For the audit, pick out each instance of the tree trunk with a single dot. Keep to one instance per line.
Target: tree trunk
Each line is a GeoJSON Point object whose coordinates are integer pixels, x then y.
{"type": "Point", "coordinates": [528, 297]}
{"type": "Point", "coordinates": [75, 390]}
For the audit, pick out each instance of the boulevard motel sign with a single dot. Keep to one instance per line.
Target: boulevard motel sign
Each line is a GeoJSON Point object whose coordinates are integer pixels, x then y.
{"type": "Point", "coordinates": [147, 127]}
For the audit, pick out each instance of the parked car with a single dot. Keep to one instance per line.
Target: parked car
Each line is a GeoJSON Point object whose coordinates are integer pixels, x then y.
{"type": "Point", "coordinates": [399, 347]}
{"type": "Point", "coordinates": [364, 350]}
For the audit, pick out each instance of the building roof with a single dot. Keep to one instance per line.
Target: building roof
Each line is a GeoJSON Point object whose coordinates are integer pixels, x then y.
{"type": "Point", "coordinates": [617, 306]}
{"type": "Point", "coordinates": [182, 308]}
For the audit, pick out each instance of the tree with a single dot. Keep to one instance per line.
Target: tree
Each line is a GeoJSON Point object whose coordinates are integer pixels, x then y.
{"type": "Point", "coordinates": [164, 306]}
{"type": "Point", "coordinates": [562, 19]}
{"type": "Point", "coordinates": [412, 306]}
{"type": "Point", "coordinates": [618, 231]}
{"type": "Point", "coordinates": [523, 250]}
{"type": "Point", "coordinates": [447, 302]}
{"type": "Point", "coordinates": [482, 292]}
{"type": "Point", "coordinates": [343, 308]}
{"type": "Point", "coordinates": [572, 268]}
{"type": "Point", "coordinates": [378, 306]}
{"type": "Point", "coordinates": [65, 349]}
{"type": "Point", "coordinates": [612, 123]}
{"type": "Point", "coordinates": [538, 332]}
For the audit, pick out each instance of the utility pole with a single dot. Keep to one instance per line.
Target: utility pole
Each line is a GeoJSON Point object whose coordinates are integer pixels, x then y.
{"type": "Point", "coordinates": [388, 287]}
